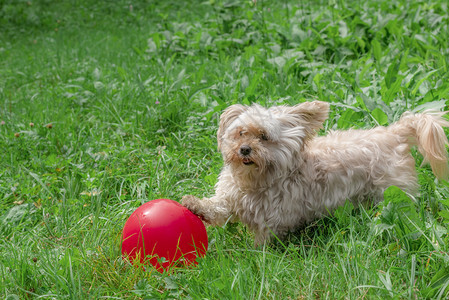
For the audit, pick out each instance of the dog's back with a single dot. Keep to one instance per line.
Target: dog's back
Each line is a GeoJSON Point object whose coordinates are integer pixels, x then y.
{"type": "Point", "coordinates": [358, 164]}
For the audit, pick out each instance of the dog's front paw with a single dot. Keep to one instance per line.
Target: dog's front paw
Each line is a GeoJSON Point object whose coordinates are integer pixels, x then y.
{"type": "Point", "coordinates": [196, 205]}
{"type": "Point", "coordinates": [192, 203]}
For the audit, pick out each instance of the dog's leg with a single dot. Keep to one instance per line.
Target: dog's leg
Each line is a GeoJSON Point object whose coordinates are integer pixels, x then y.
{"type": "Point", "coordinates": [261, 237]}
{"type": "Point", "coordinates": [214, 210]}
{"type": "Point", "coordinates": [265, 234]}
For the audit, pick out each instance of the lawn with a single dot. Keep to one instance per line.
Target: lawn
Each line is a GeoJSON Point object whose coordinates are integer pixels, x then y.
{"type": "Point", "coordinates": [105, 105]}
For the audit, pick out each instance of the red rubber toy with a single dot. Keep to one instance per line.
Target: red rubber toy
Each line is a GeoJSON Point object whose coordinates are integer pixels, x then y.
{"type": "Point", "coordinates": [165, 234]}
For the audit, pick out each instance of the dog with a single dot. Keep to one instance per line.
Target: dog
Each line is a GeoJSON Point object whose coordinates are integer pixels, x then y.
{"type": "Point", "coordinates": [278, 175]}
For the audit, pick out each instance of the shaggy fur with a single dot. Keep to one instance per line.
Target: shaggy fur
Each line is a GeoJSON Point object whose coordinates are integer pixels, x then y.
{"type": "Point", "coordinates": [278, 175]}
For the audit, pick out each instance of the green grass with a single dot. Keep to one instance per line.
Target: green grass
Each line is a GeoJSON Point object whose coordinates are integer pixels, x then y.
{"type": "Point", "coordinates": [124, 99]}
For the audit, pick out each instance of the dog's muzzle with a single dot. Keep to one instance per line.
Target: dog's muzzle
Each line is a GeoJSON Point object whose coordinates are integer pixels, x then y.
{"type": "Point", "coordinates": [245, 151]}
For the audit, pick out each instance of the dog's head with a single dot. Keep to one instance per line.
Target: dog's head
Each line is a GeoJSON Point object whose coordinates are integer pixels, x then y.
{"type": "Point", "coordinates": [254, 137]}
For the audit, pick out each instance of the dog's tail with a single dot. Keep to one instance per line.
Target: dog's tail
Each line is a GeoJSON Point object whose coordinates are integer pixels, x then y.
{"type": "Point", "coordinates": [426, 131]}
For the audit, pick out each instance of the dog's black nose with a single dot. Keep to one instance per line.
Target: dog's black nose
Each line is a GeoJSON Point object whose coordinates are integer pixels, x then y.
{"type": "Point", "coordinates": [245, 150]}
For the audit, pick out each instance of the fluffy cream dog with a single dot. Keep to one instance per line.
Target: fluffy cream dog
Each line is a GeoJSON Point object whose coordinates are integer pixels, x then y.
{"type": "Point", "coordinates": [278, 175]}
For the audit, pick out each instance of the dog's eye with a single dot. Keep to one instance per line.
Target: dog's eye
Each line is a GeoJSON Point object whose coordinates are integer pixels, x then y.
{"type": "Point", "coordinates": [241, 133]}
{"type": "Point", "coordinates": [264, 137]}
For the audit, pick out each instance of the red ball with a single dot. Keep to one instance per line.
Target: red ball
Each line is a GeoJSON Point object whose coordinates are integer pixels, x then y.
{"type": "Point", "coordinates": [164, 233]}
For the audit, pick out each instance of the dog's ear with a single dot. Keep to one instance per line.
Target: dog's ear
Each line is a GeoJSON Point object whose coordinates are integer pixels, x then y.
{"type": "Point", "coordinates": [311, 115]}
{"type": "Point", "coordinates": [227, 117]}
